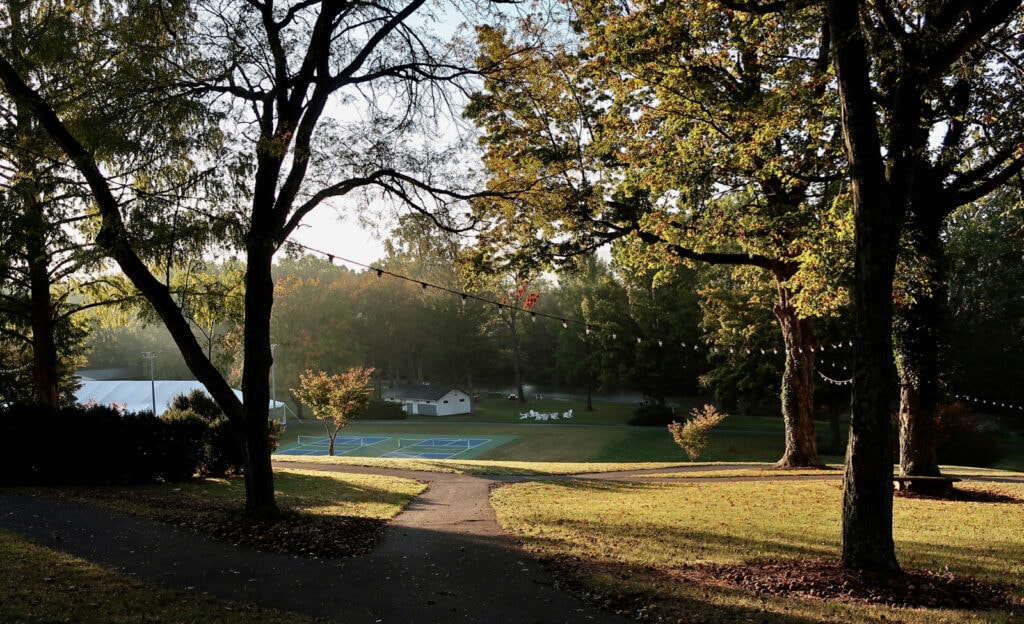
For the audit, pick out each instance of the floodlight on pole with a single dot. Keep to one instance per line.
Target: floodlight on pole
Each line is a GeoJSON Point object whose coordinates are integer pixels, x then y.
{"type": "Point", "coordinates": [152, 356]}
{"type": "Point", "coordinates": [273, 383]}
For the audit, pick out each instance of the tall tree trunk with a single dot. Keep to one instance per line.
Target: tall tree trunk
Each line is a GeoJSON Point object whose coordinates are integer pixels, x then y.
{"type": "Point", "coordinates": [516, 368]}
{"type": "Point", "coordinates": [45, 374]}
{"type": "Point", "coordinates": [255, 421]}
{"type": "Point", "coordinates": [867, 485]}
{"type": "Point", "coordinates": [797, 385]}
{"type": "Point", "coordinates": [917, 325]}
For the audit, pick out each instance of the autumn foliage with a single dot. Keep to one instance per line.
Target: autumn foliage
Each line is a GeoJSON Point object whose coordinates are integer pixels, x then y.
{"type": "Point", "coordinates": [692, 436]}
{"type": "Point", "coordinates": [335, 399]}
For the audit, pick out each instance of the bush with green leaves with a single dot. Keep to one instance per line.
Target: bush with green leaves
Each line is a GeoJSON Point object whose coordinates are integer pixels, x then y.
{"type": "Point", "coordinates": [653, 415]}
{"type": "Point", "coordinates": [961, 440]}
{"type": "Point", "coordinates": [92, 445]}
{"type": "Point", "coordinates": [379, 409]}
{"type": "Point", "coordinates": [692, 436]}
{"type": "Point", "coordinates": [220, 449]}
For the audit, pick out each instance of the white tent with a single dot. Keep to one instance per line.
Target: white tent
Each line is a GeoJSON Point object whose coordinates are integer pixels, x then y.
{"type": "Point", "coordinates": [137, 396]}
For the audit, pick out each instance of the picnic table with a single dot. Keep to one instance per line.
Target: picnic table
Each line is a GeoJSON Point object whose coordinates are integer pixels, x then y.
{"type": "Point", "coordinates": [924, 484]}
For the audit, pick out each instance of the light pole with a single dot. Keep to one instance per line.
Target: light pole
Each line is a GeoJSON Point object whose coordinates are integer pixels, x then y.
{"type": "Point", "coordinates": [273, 383]}
{"type": "Point", "coordinates": [151, 356]}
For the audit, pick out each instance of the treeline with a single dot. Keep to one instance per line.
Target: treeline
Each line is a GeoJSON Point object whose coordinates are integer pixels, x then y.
{"type": "Point", "coordinates": [664, 333]}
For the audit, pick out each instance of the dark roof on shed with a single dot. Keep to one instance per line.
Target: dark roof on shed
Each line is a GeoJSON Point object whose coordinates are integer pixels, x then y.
{"type": "Point", "coordinates": [425, 392]}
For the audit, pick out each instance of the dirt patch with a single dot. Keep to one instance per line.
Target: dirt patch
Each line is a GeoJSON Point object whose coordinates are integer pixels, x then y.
{"type": "Point", "coordinates": [821, 579]}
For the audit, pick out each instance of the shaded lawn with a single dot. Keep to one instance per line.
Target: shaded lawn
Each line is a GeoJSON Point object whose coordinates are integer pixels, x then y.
{"type": "Point", "coordinates": [42, 585]}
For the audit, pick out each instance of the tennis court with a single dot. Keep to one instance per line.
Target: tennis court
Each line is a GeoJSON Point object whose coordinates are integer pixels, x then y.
{"type": "Point", "coordinates": [389, 446]}
{"type": "Point", "coordinates": [320, 445]}
{"type": "Point", "coordinates": [435, 448]}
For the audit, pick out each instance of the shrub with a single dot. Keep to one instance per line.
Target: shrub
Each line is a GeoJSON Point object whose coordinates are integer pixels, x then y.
{"type": "Point", "coordinates": [960, 439]}
{"type": "Point", "coordinates": [653, 415]}
{"type": "Point", "coordinates": [693, 436]}
{"type": "Point", "coordinates": [95, 445]}
{"type": "Point", "coordinates": [184, 444]}
{"type": "Point", "coordinates": [379, 409]}
{"type": "Point", "coordinates": [81, 445]}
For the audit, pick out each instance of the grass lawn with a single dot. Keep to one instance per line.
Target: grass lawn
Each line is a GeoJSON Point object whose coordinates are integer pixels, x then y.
{"type": "Point", "coordinates": [42, 585]}
{"type": "Point", "coordinates": [600, 436]}
{"type": "Point", "coordinates": [633, 546]}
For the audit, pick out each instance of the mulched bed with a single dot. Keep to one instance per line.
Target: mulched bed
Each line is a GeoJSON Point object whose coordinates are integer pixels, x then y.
{"type": "Point", "coordinates": [291, 534]}
{"type": "Point", "coordinates": [827, 580]}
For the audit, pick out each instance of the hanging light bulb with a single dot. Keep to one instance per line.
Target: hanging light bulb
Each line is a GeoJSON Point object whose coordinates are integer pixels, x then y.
{"type": "Point", "coordinates": [565, 324]}
{"type": "Point", "coordinates": [423, 285]}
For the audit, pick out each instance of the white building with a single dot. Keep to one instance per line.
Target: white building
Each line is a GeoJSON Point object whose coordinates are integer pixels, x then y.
{"type": "Point", "coordinates": [430, 400]}
{"type": "Point", "coordinates": [138, 396]}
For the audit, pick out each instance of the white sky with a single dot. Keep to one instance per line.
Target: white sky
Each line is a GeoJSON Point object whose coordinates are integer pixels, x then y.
{"type": "Point", "coordinates": [326, 231]}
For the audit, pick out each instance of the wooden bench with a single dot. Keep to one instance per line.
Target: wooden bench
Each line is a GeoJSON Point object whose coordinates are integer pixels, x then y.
{"type": "Point", "coordinates": [925, 484]}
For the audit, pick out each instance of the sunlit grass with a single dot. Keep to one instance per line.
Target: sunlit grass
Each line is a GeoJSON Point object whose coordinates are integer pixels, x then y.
{"type": "Point", "coordinates": [311, 492]}
{"type": "Point", "coordinates": [629, 537]}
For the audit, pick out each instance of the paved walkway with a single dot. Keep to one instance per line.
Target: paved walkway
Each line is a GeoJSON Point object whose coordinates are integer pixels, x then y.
{"type": "Point", "coordinates": [443, 560]}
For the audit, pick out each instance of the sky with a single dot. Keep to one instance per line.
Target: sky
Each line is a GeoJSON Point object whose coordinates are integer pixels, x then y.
{"type": "Point", "coordinates": [326, 231]}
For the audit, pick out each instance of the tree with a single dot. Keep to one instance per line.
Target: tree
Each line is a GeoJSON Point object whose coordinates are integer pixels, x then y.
{"type": "Point", "coordinates": [884, 93]}
{"type": "Point", "coordinates": [335, 399]}
{"type": "Point", "coordinates": [514, 299]}
{"type": "Point", "coordinates": [647, 136]}
{"type": "Point", "coordinates": [985, 334]}
{"type": "Point", "coordinates": [43, 212]}
{"type": "Point", "coordinates": [973, 115]}
{"type": "Point", "coordinates": [275, 71]}
{"type": "Point", "coordinates": [740, 332]}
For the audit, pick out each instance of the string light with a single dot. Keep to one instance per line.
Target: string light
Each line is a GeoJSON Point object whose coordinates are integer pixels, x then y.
{"type": "Point", "coordinates": [588, 327]}
{"type": "Point", "coordinates": [16, 369]}
{"type": "Point", "coordinates": [837, 382]}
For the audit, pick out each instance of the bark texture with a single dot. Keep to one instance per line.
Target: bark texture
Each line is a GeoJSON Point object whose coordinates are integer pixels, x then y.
{"type": "Point", "coordinates": [797, 386]}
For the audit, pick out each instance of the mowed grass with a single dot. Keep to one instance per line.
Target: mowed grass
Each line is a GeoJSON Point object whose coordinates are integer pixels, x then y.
{"type": "Point", "coordinates": [624, 540]}
{"type": "Point", "coordinates": [599, 436]}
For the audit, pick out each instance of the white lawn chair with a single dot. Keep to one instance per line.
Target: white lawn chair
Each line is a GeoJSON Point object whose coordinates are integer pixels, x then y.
{"type": "Point", "coordinates": [567, 414]}
{"type": "Point", "coordinates": [523, 416]}
{"type": "Point", "coordinates": [553, 415]}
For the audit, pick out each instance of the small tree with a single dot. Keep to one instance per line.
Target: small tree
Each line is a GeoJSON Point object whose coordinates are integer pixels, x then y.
{"type": "Point", "coordinates": [693, 435]}
{"type": "Point", "coordinates": [335, 399]}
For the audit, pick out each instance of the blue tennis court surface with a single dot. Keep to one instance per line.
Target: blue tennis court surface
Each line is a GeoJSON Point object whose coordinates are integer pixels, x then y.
{"type": "Point", "coordinates": [320, 445]}
{"type": "Point", "coordinates": [435, 448]}
{"type": "Point", "coordinates": [387, 446]}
